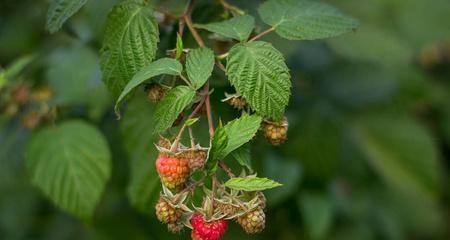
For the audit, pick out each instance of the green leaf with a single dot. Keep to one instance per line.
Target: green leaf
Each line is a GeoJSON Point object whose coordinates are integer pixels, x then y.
{"type": "Point", "coordinates": [305, 20]}
{"type": "Point", "coordinates": [168, 109]}
{"type": "Point", "coordinates": [71, 84]}
{"type": "Point", "coordinates": [17, 66]}
{"type": "Point", "coordinates": [129, 43]}
{"type": "Point", "coordinates": [161, 66]}
{"type": "Point", "coordinates": [317, 213]}
{"type": "Point", "coordinates": [258, 72]}
{"type": "Point", "coordinates": [179, 47]}
{"type": "Point", "coordinates": [400, 151]}
{"type": "Point", "coordinates": [71, 164]}
{"type": "Point", "coordinates": [191, 122]}
{"type": "Point", "coordinates": [240, 131]}
{"type": "Point", "coordinates": [61, 10]}
{"type": "Point", "coordinates": [251, 183]}
{"type": "Point", "coordinates": [199, 66]}
{"type": "Point", "coordinates": [238, 28]}
{"type": "Point", "coordinates": [242, 156]}
{"type": "Point", "coordinates": [218, 145]}
{"type": "Point", "coordinates": [136, 129]}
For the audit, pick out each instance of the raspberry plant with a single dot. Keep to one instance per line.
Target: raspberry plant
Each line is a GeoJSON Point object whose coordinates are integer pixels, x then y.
{"type": "Point", "coordinates": [254, 68]}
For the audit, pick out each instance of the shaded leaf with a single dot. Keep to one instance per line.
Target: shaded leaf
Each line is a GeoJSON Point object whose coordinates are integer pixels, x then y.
{"type": "Point", "coordinates": [242, 156]}
{"type": "Point", "coordinates": [317, 213]}
{"type": "Point", "coordinates": [400, 151]}
{"type": "Point", "coordinates": [305, 19]}
{"type": "Point", "coordinates": [161, 66]}
{"type": "Point", "coordinates": [61, 10]}
{"type": "Point", "coordinates": [218, 145]}
{"type": "Point", "coordinates": [136, 129]}
{"type": "Point", "coordinates": [173, 103]}
{"type": "Point", "coordinates": [199, 66]}
{"type": "Point", "coordinates": [129, 43]}
{"type": "Point", "coordinates": [70, 163]}
{"type": "Point", "coordinates": [238, 28]}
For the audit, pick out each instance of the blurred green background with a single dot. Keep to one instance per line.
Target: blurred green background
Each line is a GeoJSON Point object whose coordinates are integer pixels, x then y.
{"type": "Point", "coordinates": [367, 155]}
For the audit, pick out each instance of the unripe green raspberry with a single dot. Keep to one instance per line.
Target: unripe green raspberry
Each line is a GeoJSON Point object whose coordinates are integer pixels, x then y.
{"type": "Point", "coordinates": [167, 213]}
{"type": "Point", "coordinates": [254, 221]}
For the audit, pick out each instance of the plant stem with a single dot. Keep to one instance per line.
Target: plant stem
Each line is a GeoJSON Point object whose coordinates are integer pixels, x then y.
{"type": "Point", "coordinates": [261, 34]}
{"type": "Point", "coordinates": [201, 43]}
{"type": "Point", "coordinates": [231, 8]}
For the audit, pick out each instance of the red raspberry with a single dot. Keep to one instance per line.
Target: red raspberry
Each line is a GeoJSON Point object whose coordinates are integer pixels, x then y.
{"type": "Point", "coordinates": [202, 230]}
{"type": "Point", "coordinates": [173, 171]}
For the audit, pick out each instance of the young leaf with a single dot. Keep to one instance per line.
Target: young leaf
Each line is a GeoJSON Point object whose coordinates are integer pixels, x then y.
{"type": "Point", "coordinates": [218, 145]}
{"type": "Point", "coordinates": [190, 122]}
{"type": "Point", "coordinates": [258, 72]}
{"type": "Point", "coordinates": [144, 186]}
{"type": "Point", "coordinates": [179, 47]}
{"type": "Point", "coordinates": [167, 66]}
{"type": "Point", "coordinates": [240, 131]}
{"type": "Point", "coordinates": [167, 111]}
{"type": "Point", "coordinates": [238, 28]}
{"type": "Point", "coordinates": [129, 44]}
{"type": "Point", "coordinates": [71, 164]}
{"type": "Point", "coordinates": [199, 66]}
{"type": "Point", "coordinates": [305, 19]}
{"type": "Point", "coordinates": [251, 183]}
{"type": "Point", "coordinates": [242, 156]}
{"type": "Point", "coordinates": [61, 10]}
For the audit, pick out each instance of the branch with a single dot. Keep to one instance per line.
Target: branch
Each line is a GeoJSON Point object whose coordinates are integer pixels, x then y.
{"type": "Point", "coordinates": [261, 34]}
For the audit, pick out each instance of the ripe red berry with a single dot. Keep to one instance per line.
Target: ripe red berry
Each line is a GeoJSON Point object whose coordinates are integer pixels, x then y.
{"type": "Point", "coordinates": [173, 171]}
{"type": "Point", "coordinates": [202, 230]}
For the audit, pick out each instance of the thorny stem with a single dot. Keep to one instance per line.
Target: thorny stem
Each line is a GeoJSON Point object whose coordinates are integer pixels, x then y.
{"type": "Point", "coordinates": [206, 99]}
{"type": "Point", "coordinates": [191, 136]}
{"type": "Point", "coordinates": [261, 34]}
{"type": "Point", "coordinates": [196, 110]}
{"type": "Point", "coordinates": [231, 8]}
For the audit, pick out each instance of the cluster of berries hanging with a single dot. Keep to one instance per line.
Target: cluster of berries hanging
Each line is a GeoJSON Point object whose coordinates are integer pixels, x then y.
{"type": "Point", "coordinates": [30, 105]}
{"type": "Point", "coordinates": [177, 163]}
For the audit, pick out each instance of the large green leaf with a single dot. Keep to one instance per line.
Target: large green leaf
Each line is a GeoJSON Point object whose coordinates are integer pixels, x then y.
{"type": "Point", "coordinates": [161, 66]}
{"type": "Point", "coordinates": [305, 19]}
{"type": "Point", "coordinates": [251, 183]}
{"type": "Point", "coordinates": [129, 43]}
{"type": "Point", "coordinates": [400, 151]}
{"type": "Point", "coordinates": [59, 11]}
{"type": "Point", "coordinates": [136, 130]}
{"type": "Point", "coordinates": [258, 72]}
{"type": "Point", "coordinates": [70, 163]}
{"type": "Point", "coordinates": [240, 131]}
{"type": "Point", "coordinates": [238, 28]}
{"type": "Point", "coordinates": [199, 66]}
{"type": "Point", "coordinates": [168, 109]}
